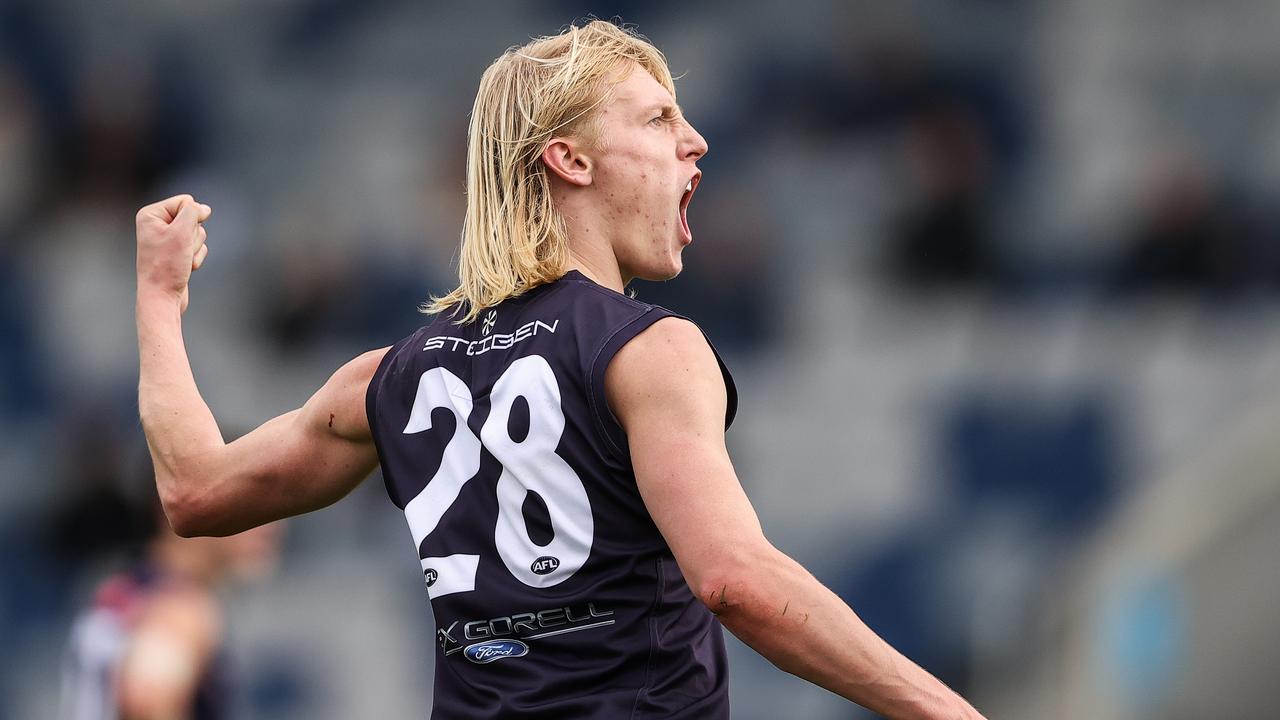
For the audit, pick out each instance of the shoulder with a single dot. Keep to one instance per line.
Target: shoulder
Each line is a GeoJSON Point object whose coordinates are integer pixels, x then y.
{"type": "Point", "coordinates": [670, 368]}
{"type": "Point", "coordinates": [667, 341]}
{"type": "Point", "coordinates": [360, 369]}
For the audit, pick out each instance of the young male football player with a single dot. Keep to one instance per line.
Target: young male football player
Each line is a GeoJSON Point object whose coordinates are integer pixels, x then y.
{"type": "Point", "coordinates": [557, 446]}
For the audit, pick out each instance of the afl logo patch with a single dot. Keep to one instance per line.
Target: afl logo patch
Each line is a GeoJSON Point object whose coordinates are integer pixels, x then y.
{"type": "Point", "coordinates": [431, 575]}
{"type": "Point", "coordinates": [486, 652]}
{"type": "Point", "coordinates": [545, 565]}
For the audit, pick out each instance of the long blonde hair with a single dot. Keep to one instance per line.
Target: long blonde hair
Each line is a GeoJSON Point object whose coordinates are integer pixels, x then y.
{"type": "Point", "coordinates": [513, 238]}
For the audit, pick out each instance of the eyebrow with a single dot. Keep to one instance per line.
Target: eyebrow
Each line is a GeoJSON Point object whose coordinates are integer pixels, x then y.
{"type": "Point", "coordinates": [664, 106]}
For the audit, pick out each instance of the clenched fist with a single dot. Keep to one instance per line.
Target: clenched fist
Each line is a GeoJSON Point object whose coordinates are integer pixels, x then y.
{"type": "Point", "coordinates": [171, 245]}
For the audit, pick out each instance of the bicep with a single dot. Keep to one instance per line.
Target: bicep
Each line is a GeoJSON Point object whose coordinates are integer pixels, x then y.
{"type": "Point", "coordinates": [300, 461]}
{"type": "Point", "coordinates": [667, 390]}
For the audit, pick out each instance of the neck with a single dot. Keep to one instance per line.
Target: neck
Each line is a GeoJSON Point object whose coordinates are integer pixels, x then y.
{"type": "Point", "coordinates": [602, 271]}
{"type": "Point", "coordinates": [590, 250]}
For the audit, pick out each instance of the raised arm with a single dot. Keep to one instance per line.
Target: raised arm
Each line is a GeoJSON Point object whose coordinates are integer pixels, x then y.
{"type": "Point", "coordinates": [301, 461]}
{"type": "Point", "coordinates": [666, 389]}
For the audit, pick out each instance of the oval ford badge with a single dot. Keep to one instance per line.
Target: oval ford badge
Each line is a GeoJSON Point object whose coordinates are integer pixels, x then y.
{"type": "Point", "coordinates": [491, 650]}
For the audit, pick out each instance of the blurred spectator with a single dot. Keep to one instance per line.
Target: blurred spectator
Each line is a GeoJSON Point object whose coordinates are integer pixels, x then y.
{"type": "Point", "coordinates": [150, 645]}
{"type": "Point", "coordinates": [945, 236]}
{"type": "Point", "coordinates": [22, 381]}
{"type": "Point", "coordinates": [1189, 238]}
{"type": "Point", "coordinates": [22, 184]}
{"type": "Point", "coordinates": [22, 152]}
{"type": "Point", "coordinates": [98, 514]}
{"type": "Point", "coordinates": [322, 289]}
{"type": "Point", "coordinates": [136, 119]}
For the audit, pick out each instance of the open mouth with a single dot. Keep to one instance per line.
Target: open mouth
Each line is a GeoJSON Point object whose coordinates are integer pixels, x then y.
{"type": "Point", "coordinates": [684, 206]}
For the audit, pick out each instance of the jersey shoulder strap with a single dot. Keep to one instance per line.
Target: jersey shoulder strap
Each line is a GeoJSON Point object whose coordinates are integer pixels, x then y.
{"type": "Point", "coordinates": [632, 324]}
{"type": "Point", "coordinates": [395, 357]}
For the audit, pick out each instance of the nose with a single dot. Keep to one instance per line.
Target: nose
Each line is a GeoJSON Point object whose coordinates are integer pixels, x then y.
{"type": "Point", "coordinates": [692, 145]}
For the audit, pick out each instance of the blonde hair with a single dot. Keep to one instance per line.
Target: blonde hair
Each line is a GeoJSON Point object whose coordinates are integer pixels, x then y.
{"type": "Point", "coordinates": [513, 238]}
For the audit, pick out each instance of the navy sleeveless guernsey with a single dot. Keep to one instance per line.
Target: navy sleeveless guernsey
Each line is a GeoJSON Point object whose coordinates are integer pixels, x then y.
{"type": "Point", "coordinates": [554, 594]}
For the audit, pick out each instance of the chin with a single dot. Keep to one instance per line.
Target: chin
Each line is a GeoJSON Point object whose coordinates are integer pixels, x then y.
{"type": "Point", "coordinates": [662, 274]}
{"type": "Point", "coordinates": [659, 271]}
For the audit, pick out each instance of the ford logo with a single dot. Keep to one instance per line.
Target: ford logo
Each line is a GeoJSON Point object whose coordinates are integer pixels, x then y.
{"type": "Point", "coordinates": [490, 650]}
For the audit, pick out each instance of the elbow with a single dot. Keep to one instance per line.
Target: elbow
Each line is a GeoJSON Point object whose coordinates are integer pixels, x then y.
{"type": "Point", "coordinates": [740, 587]}
{"type": "Point", "coordinates": [182, 519]}
{"type": "Point", "coordinates": [187, 512]}
{"type": "Point", "coordinates": [714, 592]}
{"type": "Point", "coordinates": [184, 528]}
{"type": "Point", "coordinates": [765, 599]}
{"type": "Point", "coordinates": [730, 596]}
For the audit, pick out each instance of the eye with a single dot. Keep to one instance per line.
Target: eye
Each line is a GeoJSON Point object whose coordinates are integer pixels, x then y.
{"type": "Point", "coordinates": [668, 115]}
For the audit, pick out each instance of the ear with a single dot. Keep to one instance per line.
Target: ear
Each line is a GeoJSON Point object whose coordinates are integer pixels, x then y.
{"type": "Point", "coordinates": [568, 161]}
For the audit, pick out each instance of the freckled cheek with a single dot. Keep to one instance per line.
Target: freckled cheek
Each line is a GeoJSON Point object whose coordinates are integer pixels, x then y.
{"type": "Point", "coordinates": [649, 195]}
{"type": "Point", "coordinates": [640, 203]}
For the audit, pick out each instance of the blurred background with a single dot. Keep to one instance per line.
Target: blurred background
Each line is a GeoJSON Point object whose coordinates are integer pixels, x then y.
{"type": "Point", "coordinates": [999, 282]}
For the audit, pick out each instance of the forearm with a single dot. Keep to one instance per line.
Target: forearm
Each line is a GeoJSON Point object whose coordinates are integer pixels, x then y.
{"type": "Point", "coordinates": [802, 627]}
{"type": "Point", "coordinates": [181, 431]}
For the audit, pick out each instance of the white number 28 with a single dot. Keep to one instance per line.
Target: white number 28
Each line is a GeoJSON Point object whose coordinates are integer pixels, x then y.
{"type": "Point", "coordinates": [528, 465]}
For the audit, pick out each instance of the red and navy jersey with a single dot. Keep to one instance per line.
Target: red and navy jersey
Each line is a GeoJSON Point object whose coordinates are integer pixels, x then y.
{"type": "Point", "coordinates": [554, 594]}
{"type": "Point", "coordinates": [100, 638]}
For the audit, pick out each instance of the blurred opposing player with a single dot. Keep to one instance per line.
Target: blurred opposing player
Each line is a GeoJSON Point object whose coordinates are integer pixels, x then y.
{"type": "Point", "coordinates": [557, 446]}
{"type": "Point", "coordinates": [150, 645]}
